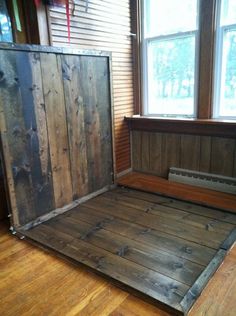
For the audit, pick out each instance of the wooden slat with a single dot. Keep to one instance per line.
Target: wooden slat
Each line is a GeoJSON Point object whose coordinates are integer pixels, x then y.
{"type": "Point", "coordinates": [145, 156]}
{"type": "Point", "coordinates": [170, 151]}
{"type": "Point", "coordinates": [75, 124]}
{"type": "Point", "coordinates": [31, 167]}
{"type": "Point", "coordinates": [205, 154]}
{"type": "Point", "coordinates": [177, 228]}
{"type": "Point", "coordinates": [189, 152]}
{"type": "Point", "coordinates": [222, 156]}
{"type": "Point", "coordinates": [163, 210]}
{"type": "Point", "coordinates": [57, 129]}
{"type": "Point", "coordinates": [142, 233]}
{"type": "Point", "coordinates": [155, 259]}
{"type": "Point", "coordinates": [200, 153]}
{"type": "Point", "coordinates": [214, 214]}
{"type": "Point", "coordinates": [194, 194]}
{"type": "Point", "coordinates": [155, 153]}
{"type": "Point", "coordinates": [201, 282]}
{"type": "Point", "coordinates": [96, 101]}
{"type": "Point", "coordinates": [136, 154]}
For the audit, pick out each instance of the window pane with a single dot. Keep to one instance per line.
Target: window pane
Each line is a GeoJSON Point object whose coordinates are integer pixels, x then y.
{"type": "Point", "coordinates": [170, 16]}
{"type": "Point", "coordinates": [228, 12]}
{"type": "Point", "coordinates": [228, 75]}
{"type": "Point", "coordinates": [171, 64]}
{"type": "Point", "coordinates": [5, 24]}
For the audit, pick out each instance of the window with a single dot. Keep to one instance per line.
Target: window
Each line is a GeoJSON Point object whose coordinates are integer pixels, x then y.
{"type": "Point", "coordinates": [225, 63]}
{"type": "Point", "coordinates": [5, 23]}
{"type": "Point", "coordinates": [170, 44]}
{"type": "Point", "coordinates": [188, 58]}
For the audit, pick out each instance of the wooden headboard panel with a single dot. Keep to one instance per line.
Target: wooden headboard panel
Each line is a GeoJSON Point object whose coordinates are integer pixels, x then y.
{"type": "Point", "coordinates": [56, 127]}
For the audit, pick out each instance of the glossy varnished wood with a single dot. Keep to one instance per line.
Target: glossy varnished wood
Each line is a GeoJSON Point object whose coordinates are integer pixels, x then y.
{"type": "Point", "coordinates": [219, 298]}
{"type": "Point", "coordinates": [154, 184]}
{"type": "Point", "coordinates": [148, 243]}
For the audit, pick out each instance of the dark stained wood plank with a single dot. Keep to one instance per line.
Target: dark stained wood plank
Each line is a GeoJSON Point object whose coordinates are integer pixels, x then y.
{"type": "Point", "coordinates": [144, 234]}
{"type": "Point", "coordinates": [180, 229]}
{"type": "Point", "coordinates": [211, 213]}
{"type": "Point", "coordinates": [136, 150]}
{"type": "Point", "coordinates": [218, 297]}
{"type": "Point", "coordinates": [155, 259]}
{"type": "Point", "coordinates": [229, 241]}
{"type": "Point", "coordinates": [189, 152]}
{"type": "Point", "coordinates": [103, 105]}
{"type": "Point", "coordinates": [149, 282]}
{"type": "Point", "coordinates": [35, 122]}
{"type": "Point", "coordinates": [222, 155]}
{"type": "Point", "coordinates": [234, 171]}
{"type": "Point", "coordinates": [155, 153]}
{"type": "Point", "coordinates": [75, 124]}
{"type": "Point", "coordinates": [15, 134]}
{"type": "Point", "coordinates": [195, 290]}
{"type": "Point", "coordinates": [165, 211]}
{"type": "Point", "coordinates": [57, 128]}
{"type": "Point", "coordinates": [170, 150]}
{"type": "Point", "coordinates": [21, 92]}
{"type": "Point", "coordinates": [205, 154]}
{"type": "Point", "coordinates": [145, 157]}
{"type": "Point", "coordinates": [202, 196]}
{"type": "Point", "coordinates": [96, 126]}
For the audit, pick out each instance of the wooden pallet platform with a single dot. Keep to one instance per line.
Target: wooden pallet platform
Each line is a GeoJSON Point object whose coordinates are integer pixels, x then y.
{"type": "Point", "coordinates": [164, 249]}
{"type": "Point", "coordinates": [154, 184]}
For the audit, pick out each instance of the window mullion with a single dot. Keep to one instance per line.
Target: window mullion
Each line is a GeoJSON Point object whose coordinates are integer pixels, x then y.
{"type": "Point", "coordinates": [206, 58]}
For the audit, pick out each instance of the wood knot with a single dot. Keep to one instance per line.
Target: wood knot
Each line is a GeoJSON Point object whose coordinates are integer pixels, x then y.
{"type": "Point", "coordinates": [1, 76]}
{"type": "Point", "coordinates": [188, 250]}
{"type": "Point", "coordinates": [146, 231]}
{"type": "Point", "coordinates": [122, 251]}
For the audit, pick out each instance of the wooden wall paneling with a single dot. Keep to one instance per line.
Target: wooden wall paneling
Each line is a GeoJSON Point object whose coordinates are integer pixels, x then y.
{"type": "Point", "coordinates": [6, 161]}
{"type": "Point", "coordinates": [145, 151]}
{"type": "Point", "coordinates": [205, 154]}
{"type": "Point", "coordinates": [97, 121]}
{"type": "Point", "coordinates": [170, 153]}
{"type": "Point", "coordinates": [14, 138]}
{"type": "Point", "coordinates": [92, 124]}
{"type": "Point", "coordinates": [33, 101]}
{"type": "Point", "coordinates": [136, 150]}
{"type": "Point", "coordinates": [155, 153]}
{"type": "Point", "coordinates": [222, 156]}
{"type": "Point", "coordinates": [71, 68]}
{"type": "Point", "coordinates": [57, 128]}
{"type": "Point", "coordinates": [32, 187]}
{"type": "Point", "coordinates": [103, 106]}
{"type": "Point", "coordinates": [234, 171]}
{"type": "Point", "coordinates": [190, 152]}
{"type": "Point", "coordinates": [3, 199]}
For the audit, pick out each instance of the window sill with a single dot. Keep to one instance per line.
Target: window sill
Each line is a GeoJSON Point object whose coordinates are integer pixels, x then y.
{"type": "Point", "coordinates": [207, 127]}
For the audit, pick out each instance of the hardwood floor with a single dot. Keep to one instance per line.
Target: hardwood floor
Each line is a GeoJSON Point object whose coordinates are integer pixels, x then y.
{"type": "Point", "coordinates": [34, 282]}
{"type": "Point", "coordinates": [163, 248]}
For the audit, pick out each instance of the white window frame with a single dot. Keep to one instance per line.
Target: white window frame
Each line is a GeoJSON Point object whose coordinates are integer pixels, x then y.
{"type": "Point", "coordinates": [144, 63]}
{"type": "Point", "coordinates": [220, 30]}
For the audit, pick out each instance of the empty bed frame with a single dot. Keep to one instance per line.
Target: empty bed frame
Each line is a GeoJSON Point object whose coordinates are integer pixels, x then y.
{"type": "Point", "coordinates": [57, 153]}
